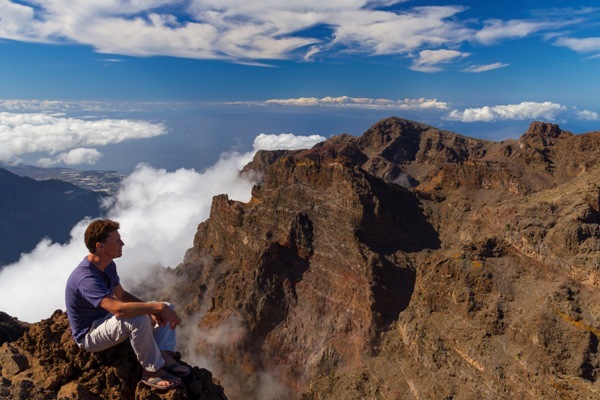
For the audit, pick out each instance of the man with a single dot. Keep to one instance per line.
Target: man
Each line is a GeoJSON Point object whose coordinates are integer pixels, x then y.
{"type": "Point", "coordinates": [103, 314]}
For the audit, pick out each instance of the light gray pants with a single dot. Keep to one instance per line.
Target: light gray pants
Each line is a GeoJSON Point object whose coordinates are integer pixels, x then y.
{"type": "Point", "coordinates": [147, 340]}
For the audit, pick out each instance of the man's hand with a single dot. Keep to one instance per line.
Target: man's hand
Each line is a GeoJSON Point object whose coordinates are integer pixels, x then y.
{"type": "Point", "coordinates": [161, 313]}
{"type": "Point", "coordinates": [167, 315]}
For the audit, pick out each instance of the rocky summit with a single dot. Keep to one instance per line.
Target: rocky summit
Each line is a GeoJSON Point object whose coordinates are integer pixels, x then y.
{"type": "Point", "coordinates": [45, 363]}
{"type": "Point", "coordinates": [410, 262]}
{"type": "Point", "coordinates": [407, 263]}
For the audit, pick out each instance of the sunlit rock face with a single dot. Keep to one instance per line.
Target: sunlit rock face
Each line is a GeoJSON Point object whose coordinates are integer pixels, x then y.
{"type": "Point", "coordinates": [410, 261]}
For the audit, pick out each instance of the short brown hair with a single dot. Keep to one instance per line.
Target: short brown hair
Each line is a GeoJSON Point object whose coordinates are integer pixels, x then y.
{"type": "Point", "coordinates": [98, 231]}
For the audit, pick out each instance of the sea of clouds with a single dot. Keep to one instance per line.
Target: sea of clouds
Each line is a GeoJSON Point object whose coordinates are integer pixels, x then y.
{"type": "Point", "coordinates": [159, 212]}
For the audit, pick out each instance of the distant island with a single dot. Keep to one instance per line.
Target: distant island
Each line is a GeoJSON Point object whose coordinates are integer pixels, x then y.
{"type": "Point", "coordinates": [98, 181]}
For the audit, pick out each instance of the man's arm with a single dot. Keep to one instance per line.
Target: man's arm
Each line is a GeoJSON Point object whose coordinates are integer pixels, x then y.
{"type": "Point", "coordinates": [160, 312]}
{"type": "Point", "coordinates": [125, 296]}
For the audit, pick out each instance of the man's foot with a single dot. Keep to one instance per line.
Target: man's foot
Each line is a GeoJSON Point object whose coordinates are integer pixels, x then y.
{"type": "Point", "coordinates": [160, 380]}
{"type": "Point", "coordinates": [173, 367]}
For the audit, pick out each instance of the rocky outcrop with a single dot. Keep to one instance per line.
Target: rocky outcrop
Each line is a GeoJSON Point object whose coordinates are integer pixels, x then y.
{"type": "Point", "coordinates": [45, 363]}
{"type": "Point", "coordinates": [10, 328]}
{"type": "Point", "coordinates": [409, 262]}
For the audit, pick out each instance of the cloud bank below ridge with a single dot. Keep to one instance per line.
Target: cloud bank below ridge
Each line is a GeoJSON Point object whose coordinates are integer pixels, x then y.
{"type": "Point", "coordinates": [159, 212]}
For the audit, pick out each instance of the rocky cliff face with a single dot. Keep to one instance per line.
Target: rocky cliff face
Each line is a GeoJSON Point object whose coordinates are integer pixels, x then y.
{"type": "Point", "coordinates": [409, 262]}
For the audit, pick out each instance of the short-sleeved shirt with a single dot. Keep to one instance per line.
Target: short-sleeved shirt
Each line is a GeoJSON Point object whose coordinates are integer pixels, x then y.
{"type": "Point", "coordinates": [86, 287]}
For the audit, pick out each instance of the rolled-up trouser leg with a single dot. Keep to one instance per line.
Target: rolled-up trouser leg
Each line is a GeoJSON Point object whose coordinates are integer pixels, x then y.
{"type": "Point", "coordinates": [110, 331]}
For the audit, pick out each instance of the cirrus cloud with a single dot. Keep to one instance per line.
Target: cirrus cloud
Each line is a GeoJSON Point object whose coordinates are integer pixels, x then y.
{"type": "Point", "coordinates": [495, 30]}
{"type": "Point", "coordinates": [484, 68]}
{"type": "Point", "coordinates": [248, 32]}
{"type": "Point", "coordinates": [429, 60]}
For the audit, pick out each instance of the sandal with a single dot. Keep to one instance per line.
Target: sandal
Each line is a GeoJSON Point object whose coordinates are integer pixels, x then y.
{"type": "Point", "coordinates": [172, 366]}
{"type": "Point", "coordinates": [161, 376]}
{"type": "Point", "coordinates": [177, 369]}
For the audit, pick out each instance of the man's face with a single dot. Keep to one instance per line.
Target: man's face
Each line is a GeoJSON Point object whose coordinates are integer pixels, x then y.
{"type": "Point", "coordinates": [113, 246]}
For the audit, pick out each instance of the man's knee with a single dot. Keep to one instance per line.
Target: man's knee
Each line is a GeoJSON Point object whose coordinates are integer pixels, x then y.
{"type": "Point", "coordinates": [165, 302]}
{"type": "Point", "coordinates": [139, 322]}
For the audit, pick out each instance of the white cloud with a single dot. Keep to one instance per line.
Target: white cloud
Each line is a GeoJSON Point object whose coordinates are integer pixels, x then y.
{"type": "Point", "coordinates": [233, 29]}
{"type": "Point", "coordinates": [54, 133]}
{"type": "Point", "coordinates": [496, 30]}
{"type": "Point", "coordinates": [580, 45]}
{"type": "Point", "coordinates": [381, 33]}
{"type": "Point", "coordinates": [159, 212]}
{"type": "Point", "coordinates": [250, 31]}
{"type": "Point", "coordinates": [356, 102]}
{"type": "Point", "coordinates": [588, 115]}
{"type": "Point", "coordinates": [484, 68]}
{"type": "Point", "coordinates": [286, 141]}
{"type": "Point", "coordinates": [525, 110]}
{"type": "Point", "coordinates": [311, 53]}
{"type": "Point", "coordinates": [73, 157]}
{"type": "Point", "coordinates": [429, 60]}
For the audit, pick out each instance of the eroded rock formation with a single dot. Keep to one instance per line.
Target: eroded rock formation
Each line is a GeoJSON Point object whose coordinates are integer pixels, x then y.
{"type": "Point", "coordinates": [409, 262]}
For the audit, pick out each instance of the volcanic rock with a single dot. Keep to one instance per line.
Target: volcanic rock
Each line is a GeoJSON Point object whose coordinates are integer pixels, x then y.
{"type": "Point", "coordinates": [11, 328]}
{"type": "Point", "coordinates": [45, 363]}
{"type": "Point", "coordinates": [410, 262]}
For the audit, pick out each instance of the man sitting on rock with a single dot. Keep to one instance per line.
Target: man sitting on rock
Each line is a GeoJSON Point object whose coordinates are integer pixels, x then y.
{"type": "Point", "coordinates": [102, 314]}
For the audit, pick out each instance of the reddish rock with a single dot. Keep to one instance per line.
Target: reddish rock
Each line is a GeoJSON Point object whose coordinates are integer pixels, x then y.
{"type": "Point", "coordinates": [409, 262]}
{"type": "Point", "coordinates": [45, 363]}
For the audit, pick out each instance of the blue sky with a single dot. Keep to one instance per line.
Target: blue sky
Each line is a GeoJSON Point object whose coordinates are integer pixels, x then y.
{"type": "Point", "coordinates": [107, 84]}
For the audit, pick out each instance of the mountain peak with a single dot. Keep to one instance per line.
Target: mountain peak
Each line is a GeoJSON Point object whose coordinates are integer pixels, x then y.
{"type": "Point", "coordinates": [545, 130]}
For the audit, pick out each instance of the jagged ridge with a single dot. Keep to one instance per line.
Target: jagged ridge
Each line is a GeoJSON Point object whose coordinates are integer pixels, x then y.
{"type": "Point", "coordinates": [413, 245]}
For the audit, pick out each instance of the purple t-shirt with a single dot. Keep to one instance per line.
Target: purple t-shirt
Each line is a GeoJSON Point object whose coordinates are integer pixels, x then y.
{"type": "Point", "coordinates": [86, 287]}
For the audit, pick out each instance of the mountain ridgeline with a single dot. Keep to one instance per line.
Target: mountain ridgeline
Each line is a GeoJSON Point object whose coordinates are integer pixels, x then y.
{"type": "Point", "coordinates": [407, 263]}
{"type": "Point", "coordinates": [31, 210]}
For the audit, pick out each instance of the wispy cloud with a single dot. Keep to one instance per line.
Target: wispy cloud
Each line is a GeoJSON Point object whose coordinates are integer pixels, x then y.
{"type": "Point", "coordinates": [495, 30]}
{"type": "Point", "coordinates": [353, 102]}
{"type": "Point", "coordinates": [24, 133]}
{"type": "Point", "coordinates": [580, 45]}
{"type": "Point", "coordinates": [430, 60]}
{"type": "Point", "coordinates": [525, 110]}
{"type": "Point", "coordinates": [484, 68]}
{"type": "Point", "coordinates": [250, 32]}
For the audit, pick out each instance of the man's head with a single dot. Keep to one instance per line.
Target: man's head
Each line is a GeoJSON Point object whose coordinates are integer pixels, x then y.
{"type": "Point", "coordinates": [97, 232]}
